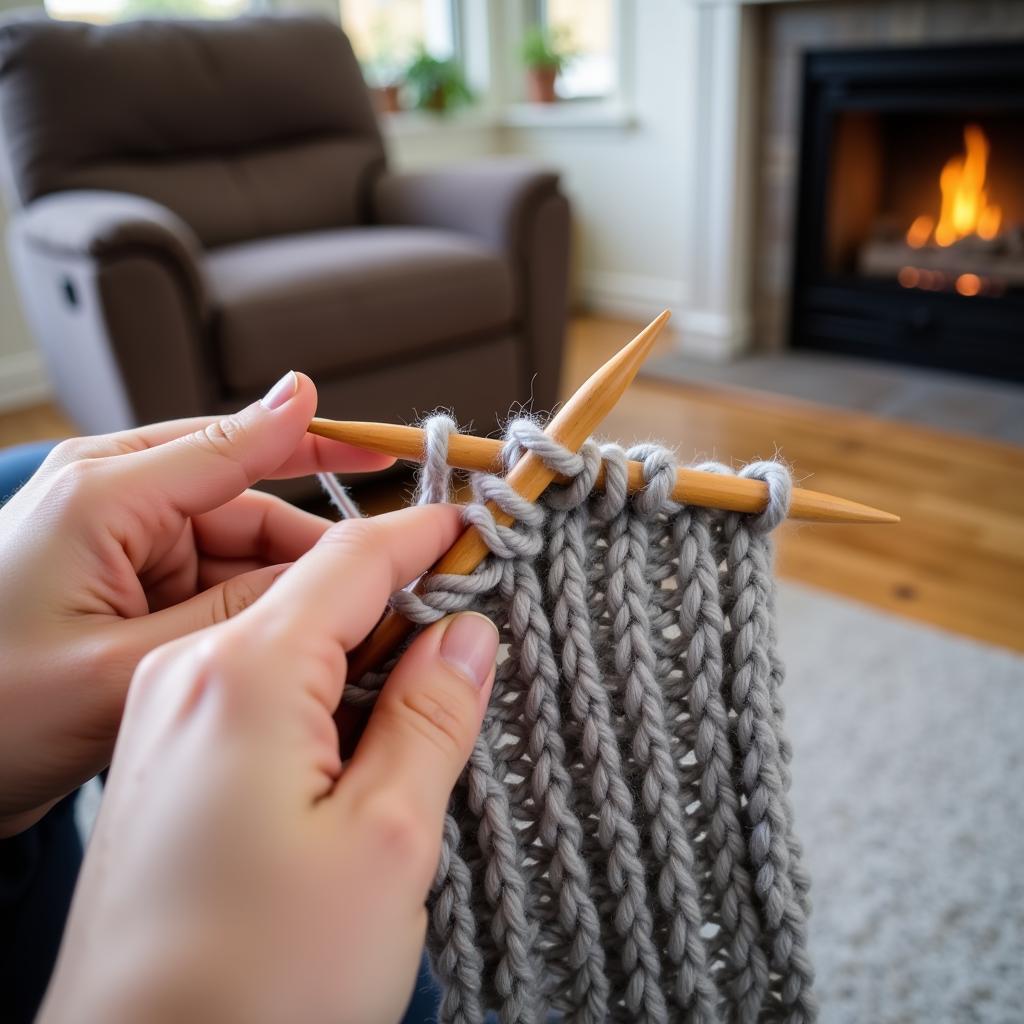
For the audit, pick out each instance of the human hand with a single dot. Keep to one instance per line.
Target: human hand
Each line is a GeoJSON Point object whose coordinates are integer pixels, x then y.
{"type": "Point", "coordinates": [236, 872]}
{"type": "Point", "coordinates": [125, 541]}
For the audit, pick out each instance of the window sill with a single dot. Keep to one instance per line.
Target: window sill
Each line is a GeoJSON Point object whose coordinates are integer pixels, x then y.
{"type": "Point", "coordinates": [566, 114]}
{"type": "Point", "coordinates": [421, 122]}
{"type": "Point", "coordinates": [569, 114]}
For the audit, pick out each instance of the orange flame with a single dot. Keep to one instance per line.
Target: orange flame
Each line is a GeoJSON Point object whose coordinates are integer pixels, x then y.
{"type": "Point", "coordinates": [965, 207]}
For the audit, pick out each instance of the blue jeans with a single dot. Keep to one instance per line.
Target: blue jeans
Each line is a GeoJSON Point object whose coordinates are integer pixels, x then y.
{"type": "Point", "coordinates": [19, 463]}
{"type": "Point", "coordinates": [39, 867]}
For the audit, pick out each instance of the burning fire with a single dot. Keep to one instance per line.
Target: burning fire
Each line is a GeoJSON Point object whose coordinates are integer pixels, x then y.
{"type": "Point", "coordinates": [965, 206]}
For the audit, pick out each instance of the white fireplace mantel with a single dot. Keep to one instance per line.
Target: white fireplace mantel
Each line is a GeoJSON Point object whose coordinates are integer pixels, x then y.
{"type": "Point", "coordinates": [716, 324]}
{"type": "Point", "coordinates": [718, 321]}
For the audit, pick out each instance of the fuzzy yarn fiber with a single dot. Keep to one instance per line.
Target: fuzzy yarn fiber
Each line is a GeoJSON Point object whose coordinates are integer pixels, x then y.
{"type": "Point", "coordinates": [621, 845]}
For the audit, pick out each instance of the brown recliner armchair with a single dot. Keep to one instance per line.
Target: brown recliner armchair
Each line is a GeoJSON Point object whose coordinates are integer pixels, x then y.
{"type": "Point", "coordinates": [204, 205]}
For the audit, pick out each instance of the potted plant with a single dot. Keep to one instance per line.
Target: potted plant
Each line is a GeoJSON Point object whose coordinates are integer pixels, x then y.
{"type": "Point", "coordinates": [385, 82]}
{"type": "Point", "coordinates": [386, 98]}
{"type": "Point", "coordinates": [383, 66]}
{"type": "Point", "coordinates": [436, 85]}
{"type": "Point", "coordinates": [545, 57]}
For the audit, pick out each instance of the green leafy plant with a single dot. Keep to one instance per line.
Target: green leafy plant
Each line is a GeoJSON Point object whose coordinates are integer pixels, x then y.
{"type": "Point", "coordinates": [437, 85]}
{"type": "Point", "coordinates": [546, 50]}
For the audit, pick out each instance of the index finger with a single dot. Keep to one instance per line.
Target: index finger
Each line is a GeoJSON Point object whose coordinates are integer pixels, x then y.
{"type": "Point", "coordinates": [314, 454]}
{"type": "Point", "coordinates": [340, 588]}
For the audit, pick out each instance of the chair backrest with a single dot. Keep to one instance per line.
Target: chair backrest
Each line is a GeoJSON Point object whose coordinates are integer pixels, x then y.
{"type": "Point", "coordinates": [245, 128]}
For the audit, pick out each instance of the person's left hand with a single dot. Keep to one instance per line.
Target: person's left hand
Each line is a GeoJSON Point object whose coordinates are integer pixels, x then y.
{"type": "Point", "coordinates": [123, 542]}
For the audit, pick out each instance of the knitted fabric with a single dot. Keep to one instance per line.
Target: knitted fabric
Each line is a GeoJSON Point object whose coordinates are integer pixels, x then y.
{"type": "Point", "coordinates": [620, 846]}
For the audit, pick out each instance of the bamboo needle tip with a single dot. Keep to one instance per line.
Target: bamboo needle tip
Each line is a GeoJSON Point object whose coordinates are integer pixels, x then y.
{"type": "Point", "coordinates": [624, 365]}
{"type": "Point", "coordinates": [639, 348]}
{"type": "Point", "coordinates": [866, 514]}
{"type": "Point", "coordinates": [815, 505]}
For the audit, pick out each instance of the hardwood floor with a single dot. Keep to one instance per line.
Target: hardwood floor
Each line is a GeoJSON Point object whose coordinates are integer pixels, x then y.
{"type": "Point", "coordinates": [35, 423]}
{"type": "Point", "coordinates": [956, 560]}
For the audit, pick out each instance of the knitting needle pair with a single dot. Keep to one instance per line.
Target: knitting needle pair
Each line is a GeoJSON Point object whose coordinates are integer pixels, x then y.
{"type": "Point", "coordinates": [573, 424]}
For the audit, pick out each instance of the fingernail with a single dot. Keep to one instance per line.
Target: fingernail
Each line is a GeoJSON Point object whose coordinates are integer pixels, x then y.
{"type": "Point", "coordinates": [281, 391]}
{"type": "Point", "coordinates": [470, 646]}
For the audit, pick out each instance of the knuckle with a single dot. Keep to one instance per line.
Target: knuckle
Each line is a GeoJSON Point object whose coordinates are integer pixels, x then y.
{"type": "Point", "coordinates": [215, 664]}
{"type": "Point", "coordinates": [359, 540]}
{"type": "Point", "coordinates": [79, 482]}
{"type": "Point", "coordinates": [70, 450]}
{"type": "Point", "coordinates": [154, 667]}
{"type": "Point", "coordinates": [354, 534]}
{"type": "Point", "coordinates": [394, 827]}
{"type": "Point", "coordinates": [220, 649]}
{"type": "Point", "coordinates": [125, 444]}
{"type": "Point", "coordinates": [236, 594]}
{"type": "Point", "coordinates": [218, 438]}
{"type": "Point", "coordinates": [184, 671]}
{"type": "Point", "coordinates": [443, 714]}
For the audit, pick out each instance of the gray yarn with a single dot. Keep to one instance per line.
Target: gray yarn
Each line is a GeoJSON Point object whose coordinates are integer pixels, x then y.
{"type": "Point", "coordinates": [620, 846]}
{"type": "Point", "coordinates": [339, 497]}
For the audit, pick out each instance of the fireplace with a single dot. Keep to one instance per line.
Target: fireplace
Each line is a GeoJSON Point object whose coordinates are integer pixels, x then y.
{"type": "Point", "coordinates": [910, 211]}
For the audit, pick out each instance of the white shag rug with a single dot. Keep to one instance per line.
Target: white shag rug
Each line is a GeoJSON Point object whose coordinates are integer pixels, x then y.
{"type": "Point", "coordinates": [908, 787]}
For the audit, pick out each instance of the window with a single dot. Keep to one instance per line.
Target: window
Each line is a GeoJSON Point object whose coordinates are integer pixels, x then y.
{"type": "Point", "coordinates": [587, 28]}
{"type": "Point", "coordinates": [118, 10]}
{"type": "Point", "coordinates": [387, 34]}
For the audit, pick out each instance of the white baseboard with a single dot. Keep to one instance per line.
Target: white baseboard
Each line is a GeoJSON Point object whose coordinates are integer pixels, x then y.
{"type": "Point", "coordinates": [22, 380]}
{"type": "Point", "coordinates": [630, 295]}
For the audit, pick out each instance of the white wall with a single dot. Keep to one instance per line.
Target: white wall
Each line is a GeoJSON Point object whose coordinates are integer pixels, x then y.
{"type": "Point", "coordinates": [421, 140]}
{"type": "Point", "coordinates": [628, 185]}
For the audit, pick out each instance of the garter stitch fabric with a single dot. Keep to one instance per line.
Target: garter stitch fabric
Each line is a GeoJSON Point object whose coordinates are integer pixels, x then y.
{"type": "Point", "coordinates": [621, 845]}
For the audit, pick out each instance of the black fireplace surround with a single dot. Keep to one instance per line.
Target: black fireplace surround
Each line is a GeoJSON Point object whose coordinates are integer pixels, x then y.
{"type": "Point", "coordinates": [906, 104]}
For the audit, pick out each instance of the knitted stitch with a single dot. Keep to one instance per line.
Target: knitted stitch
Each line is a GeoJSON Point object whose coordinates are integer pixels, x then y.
{"type": "Point", "coordinates": [620, 846]}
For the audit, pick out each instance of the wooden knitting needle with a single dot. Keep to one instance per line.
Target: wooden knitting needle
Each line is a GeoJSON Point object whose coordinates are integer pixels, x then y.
{"type": "Point", "coordinates": [708, 490]}
{"type": "Point", "coordinates": [574, 423]}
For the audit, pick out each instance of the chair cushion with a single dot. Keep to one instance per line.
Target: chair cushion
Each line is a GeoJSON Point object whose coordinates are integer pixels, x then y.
{"type": "Point", "coordinates": [334, 301]}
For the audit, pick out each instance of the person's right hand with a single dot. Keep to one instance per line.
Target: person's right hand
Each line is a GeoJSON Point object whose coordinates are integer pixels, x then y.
{"type": "Point", "coordinates": [237, 872]}
{"type": "Point", "coordinates": [125, 541]}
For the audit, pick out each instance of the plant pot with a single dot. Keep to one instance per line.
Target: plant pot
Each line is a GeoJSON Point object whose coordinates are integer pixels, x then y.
{"type": "Point", "coordinates": [386, 99]}
{"type": "Point", "coordinates": [540, 84]}
{"type": "Point", "coordinates": [437, 100]}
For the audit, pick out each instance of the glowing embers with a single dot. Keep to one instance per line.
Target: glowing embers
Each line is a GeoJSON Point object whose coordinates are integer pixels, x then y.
{"type": "Point", "coordinates": [942, 281]}
{"type": "Point", "coordinates": [969, 284]}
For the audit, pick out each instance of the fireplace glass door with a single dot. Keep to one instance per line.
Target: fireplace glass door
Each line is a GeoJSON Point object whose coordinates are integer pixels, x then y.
{"type": "Point", "coordinates": [910, 241]}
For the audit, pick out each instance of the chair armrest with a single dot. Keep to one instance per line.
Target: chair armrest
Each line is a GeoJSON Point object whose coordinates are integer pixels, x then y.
{"type": "Point", "coordinates": [491, 201]}
{"type": "Point", "coordinates": [517, 209]}
{"type": "Point", "coordinates": [104, 225]}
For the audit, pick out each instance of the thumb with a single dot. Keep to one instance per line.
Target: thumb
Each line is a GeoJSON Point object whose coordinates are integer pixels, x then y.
{"type": "Point", "coordinates": [426, 719]}
{"type": "Point", "coordinates": [223, 601]}
{"type": "Point", "coordinates": [202, 470]}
